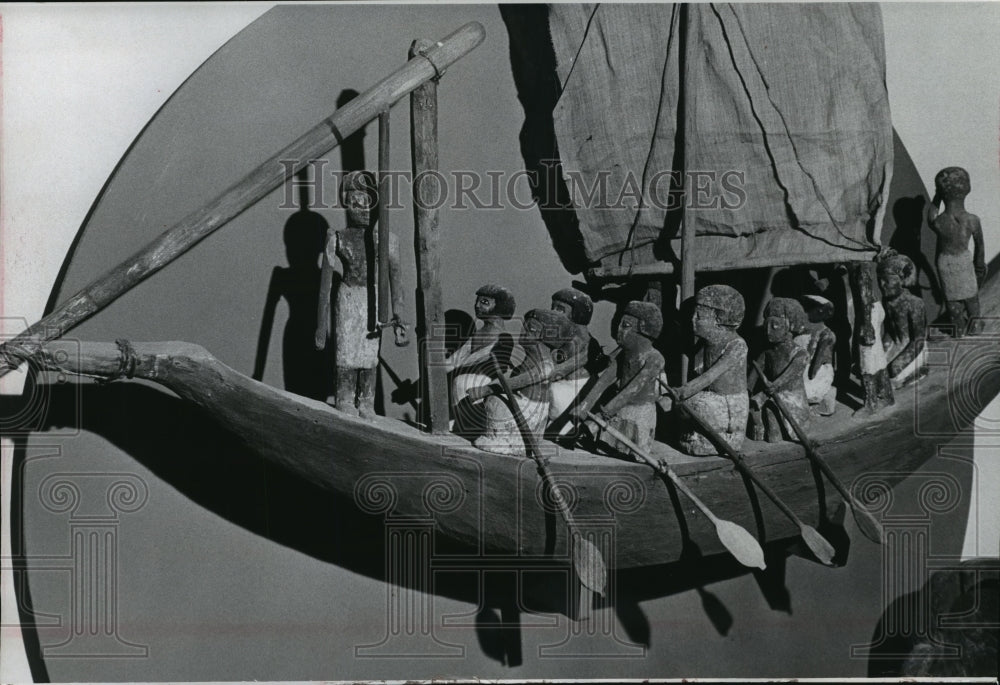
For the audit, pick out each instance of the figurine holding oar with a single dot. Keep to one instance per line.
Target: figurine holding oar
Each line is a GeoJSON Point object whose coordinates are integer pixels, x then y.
{"type": "Point", "coordinates": [867, 523]}
{"type": "Point", "coordinates": [632, 410]}
{"type": "Point", "coordinates": [819, 546]}
{"type": "Point", "coordinates": [740, 543]}
{"type": "Point", "coordinates": [587, 559]}
{"type": "Point", "coordinates": [719, 391]}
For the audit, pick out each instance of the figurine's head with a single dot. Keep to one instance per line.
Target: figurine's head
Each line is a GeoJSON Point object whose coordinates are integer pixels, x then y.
{"type": "Point", "coordinates": [952, 183]}
{"type": "Point", "coordinates": [783, 318]}
{"type": "Point", "coordinates": [359, 194]}
{"type": "Point", "coordinates": [575, 304]}
{"type": "Point", "coordinates": [551, 328]}
{"type": "Point", "coordinates": [640, 319]}
{"type": "Point", "coordinates": [715, 307]}
{"type": "Point", "coordinates": [494, 302]}
{"type": "Point", "coordinates": [817, 308]}
{"type": "Point", "coordinates": [895, 272]}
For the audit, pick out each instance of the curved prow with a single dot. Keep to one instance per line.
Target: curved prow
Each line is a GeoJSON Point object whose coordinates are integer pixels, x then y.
{"type": "Point", "coordinates": [182, 236]}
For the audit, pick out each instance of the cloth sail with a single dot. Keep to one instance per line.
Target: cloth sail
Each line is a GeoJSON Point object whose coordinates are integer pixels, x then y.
{"type": "Point", "coordinates": [772, 119]}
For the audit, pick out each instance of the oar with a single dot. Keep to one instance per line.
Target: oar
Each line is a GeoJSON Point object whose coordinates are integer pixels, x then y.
{"type": "Point", "coordinates": [204, 221]}
{"type": "Point", "coordinates": [867, 523]}
{"type": "Point", "coordinates": [819, 546]}
{"type": "Point", "coordinates": [587, 559]}
{"type": "Point", "coordinates": [740, 543]}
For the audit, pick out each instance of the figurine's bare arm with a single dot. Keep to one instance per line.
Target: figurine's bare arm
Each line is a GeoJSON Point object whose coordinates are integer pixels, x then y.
{"type": "Point", "coordinates": [823, 351]}
{"type": "Point", "coordinates": [523, 380]}
{"type": "Point", "coordinates": [604, 381]}
{"type": "Point", "coordinates": [330, 259]}
{"type": "Point", "coordinates": [978, 255]}
{"type": "Point", "coordinates": [397, 292]}
{"type": "Point", "coordinates": [646, 376]}
{"type": "Point", "coordinates": [916, 324]}
{"type": "Point", "coordinates": [796, 366]}
{"type": "Point", "coordinates": [727, 361]}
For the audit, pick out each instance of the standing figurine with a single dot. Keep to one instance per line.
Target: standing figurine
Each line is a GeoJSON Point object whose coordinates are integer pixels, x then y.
{"type": "Point", "coordinates": [357, 332]}
{"type": "Point", "coordinates": [543, 332]}
{"type": "Point", "coordinates": [871, 352]}
{"type": "Point", "coordinates": [960, 272]}
{"type": "Point", "coordinates": [906, 319]}
{"type": "Point", "coordinates": [579, 308]}
{"type": "Point", "coordinates": [470, 364]}
{"type": "Point", "coordinates": [718, 394]}
{"type": "Point", "coordinates": [635, 374]}
{"type": "Point", "coordinates": [818, 340]}
{"type": "Point", "coordinates": [785, 364]}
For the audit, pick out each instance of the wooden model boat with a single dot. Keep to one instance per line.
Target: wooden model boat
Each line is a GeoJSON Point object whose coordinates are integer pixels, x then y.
{"type": "Point", "coordinates": [498, 506]}
{"type": "Point", "coordinates": [345, 455]}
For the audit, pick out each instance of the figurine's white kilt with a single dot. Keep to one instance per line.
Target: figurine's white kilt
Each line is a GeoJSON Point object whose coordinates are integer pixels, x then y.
{"type": "Point", "coordinates": [357, 347]}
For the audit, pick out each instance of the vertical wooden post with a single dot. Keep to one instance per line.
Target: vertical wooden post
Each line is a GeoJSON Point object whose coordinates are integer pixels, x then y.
{"type": "Point", "coordinates": [384, 314]}
{"type": "Point", "coordinates": [430, 309]}
{"type": "Point", "coordinates": [685, 121]}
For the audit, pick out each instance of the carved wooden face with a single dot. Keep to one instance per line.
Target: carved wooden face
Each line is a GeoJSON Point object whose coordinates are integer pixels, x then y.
{"type": "Point", "coordinates": [484, 306]}
{"type": "Point", "coordinates": [778, 330]}
{"type": "Point", "coordinates": [705, 321]}
{"type": "Point", "coordinates": [563, 308]}
{"type": "Point", "coordinates": [628, 331]}
{"type": "Point", "coordinates": [359, 205]}
{"type": "Point", "coordinates": [890, 283]}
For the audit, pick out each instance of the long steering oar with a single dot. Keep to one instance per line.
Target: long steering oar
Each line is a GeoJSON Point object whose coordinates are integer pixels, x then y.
{"type": "Point", "coordinates": [819, 546]}
{"type": "Point", "coordinates": [587, 559]}
{"type": "Point", "coordinates": [867, 523]}
{"type": "Point", "coordinates": [201, 223]}
{"type": "Point", "coordinates": [738, 540]}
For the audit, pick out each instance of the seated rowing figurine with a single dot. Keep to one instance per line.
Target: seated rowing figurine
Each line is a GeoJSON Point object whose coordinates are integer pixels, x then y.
{"type": "Point", "coordinates": [470, 364]}
{"type": "Point", "coordinates": [818, 341]}
{"type": "Point", "coordinates": [961, 272]}
{"type": "Point", "coordinates": [544, 332]}
{"type": "Point", "coordinates": [871, 353]}
{"type": "Point", "coordinates": [905, 319]}
{"type": "Point", "coordinates": [784, 363]}
{"type": "Point", "coordinates": [635, 376]}
{"type": "Point", "coordinates": [579, 308]}
{"type": "Point", "coordinates": [718, 394]}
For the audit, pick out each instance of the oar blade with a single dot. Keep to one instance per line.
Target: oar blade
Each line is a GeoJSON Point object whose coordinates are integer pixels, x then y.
{"type": "Point", "coordinates": [740, 543]}
{"type": "Point", "coordinates": [588, 562]}
{"type": "Point", "coordinates": [867, 523]}
{"type": "Point", "coordinates": [817, 544]}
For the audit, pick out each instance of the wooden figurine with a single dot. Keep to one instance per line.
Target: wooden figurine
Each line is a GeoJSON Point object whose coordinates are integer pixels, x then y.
{"type": "Point", "coordinates": [578, 308]}
{"type": "Point", "coordinates": [543, 332]}
{"type": "Point", "coordinates": [872, 362]}
{"type": "Point", "coordinates": [357, 331]}
{"type": "Point", "coordinates": [470, 364]}
{"type": "Point", "coordinates": [960, 272]}
{"type": "Point", "coordinates": [818, 340]}
{"type": "Point", "coordinates": [785, 365]}
{"type": "Point", "coordinates": [718, 393]}
{"type": "Point", "coordinates": [906, 319]}
{"type": "Point", "coordinates": [635, 375]}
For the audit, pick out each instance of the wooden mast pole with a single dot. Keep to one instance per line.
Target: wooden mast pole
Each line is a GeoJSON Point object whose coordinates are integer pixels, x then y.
{"type": "Point", "coordinates": [269, 175]}
{"type": "Point", "coordinates": [430, 307]}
